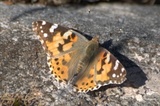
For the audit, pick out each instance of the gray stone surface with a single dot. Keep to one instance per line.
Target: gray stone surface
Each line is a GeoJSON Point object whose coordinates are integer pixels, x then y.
{"type": "Point", "coordinates": [130, 32]}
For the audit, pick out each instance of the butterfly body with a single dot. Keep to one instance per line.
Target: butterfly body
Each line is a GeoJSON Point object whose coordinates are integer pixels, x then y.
{"type": "Point", "coordinates": [75, 60]}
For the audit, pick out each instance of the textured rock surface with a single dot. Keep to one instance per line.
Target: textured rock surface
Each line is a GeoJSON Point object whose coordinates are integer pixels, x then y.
{"type": "Point", "coordinates": [131, 30]}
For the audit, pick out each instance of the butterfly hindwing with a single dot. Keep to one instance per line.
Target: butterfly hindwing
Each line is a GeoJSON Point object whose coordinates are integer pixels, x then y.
{"type": "Point", "coordinates": [106, 69]}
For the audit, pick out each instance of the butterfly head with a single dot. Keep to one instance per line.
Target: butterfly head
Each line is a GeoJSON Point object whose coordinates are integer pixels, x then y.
{"type": "Point", "coordinates": [95, 39]}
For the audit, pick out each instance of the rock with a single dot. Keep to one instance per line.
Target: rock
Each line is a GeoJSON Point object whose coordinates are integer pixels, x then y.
{"type": "Point", "coordinates": [130, 32]}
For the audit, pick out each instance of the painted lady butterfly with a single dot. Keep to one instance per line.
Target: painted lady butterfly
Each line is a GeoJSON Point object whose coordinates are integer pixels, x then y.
{"type": "Point", "coordinates": [75, 60]}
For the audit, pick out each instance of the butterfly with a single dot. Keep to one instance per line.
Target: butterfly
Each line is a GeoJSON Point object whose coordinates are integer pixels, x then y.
{"type": "Point", "coordinates": [73, 59]}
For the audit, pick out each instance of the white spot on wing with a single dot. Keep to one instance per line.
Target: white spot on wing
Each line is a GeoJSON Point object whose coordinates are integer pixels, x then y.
{"type": "Point", "coordinates": [43, 22]}
{"type": "Point", "coordinates": [45, 35]}
{"type": "Point", "coordinates": [53, 27]}
{"type": "Point", "coordinates": [110, 82]}
{"type": "Point", "coordinates": [41, 31]}
{"type": "Point", "coordinates": [122, 70]}
{"type": "Point", "coordinates": [40, 27]}
{"type": "Point", "coordinates": [114, 75]}
{"type": "Point", "coordinates": [42, 42]}
{"type": "Point", "coordinates": [116, 65]}
{"type": "Point", "coordinates": [108, 58]}
{"type": "Point", "coordinates": [66, 34]}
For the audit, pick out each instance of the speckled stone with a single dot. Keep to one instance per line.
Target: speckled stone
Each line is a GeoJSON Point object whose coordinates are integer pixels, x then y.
{"type": "Point", "coordinates": [130, 32]}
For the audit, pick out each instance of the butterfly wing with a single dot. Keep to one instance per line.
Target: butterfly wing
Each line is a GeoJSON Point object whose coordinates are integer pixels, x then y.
{"type": "Point", "coordinates": [105, 69]}
{"type": "Point", "coordinates": [62, 46]}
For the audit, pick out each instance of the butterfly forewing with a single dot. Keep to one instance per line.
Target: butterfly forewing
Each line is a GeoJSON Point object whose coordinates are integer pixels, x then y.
{"type": "Point", "coordinates": [57, 40]}
{"type": "Point", "coordinates": [61, 45]}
